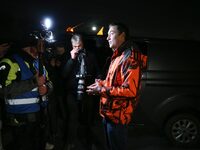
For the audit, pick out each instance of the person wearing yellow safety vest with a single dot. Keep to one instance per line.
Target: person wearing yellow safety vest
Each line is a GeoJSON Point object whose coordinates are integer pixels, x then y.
{"type": "Point", "coordinates": [25, 94]}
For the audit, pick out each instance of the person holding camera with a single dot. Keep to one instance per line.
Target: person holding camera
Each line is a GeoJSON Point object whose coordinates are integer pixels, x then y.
{"type": "Point", "coordinates": [80, 70]}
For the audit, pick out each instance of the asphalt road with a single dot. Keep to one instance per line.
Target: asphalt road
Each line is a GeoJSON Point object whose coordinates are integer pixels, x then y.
{"type": "Point", "coordinates": [143, 138]}
{"type": "Point", "coordinates": [140, 138]}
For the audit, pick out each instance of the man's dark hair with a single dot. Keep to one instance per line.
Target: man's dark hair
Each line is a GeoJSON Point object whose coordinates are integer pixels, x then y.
{"type": "Point", "coordinates": [121, 28]}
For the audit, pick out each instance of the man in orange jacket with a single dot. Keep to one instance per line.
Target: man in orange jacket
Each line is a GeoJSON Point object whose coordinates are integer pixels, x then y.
{"type": "Point", "coordinates": [119, 91]}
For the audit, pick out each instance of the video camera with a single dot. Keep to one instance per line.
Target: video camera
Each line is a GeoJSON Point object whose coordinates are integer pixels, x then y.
{"type": "Point", "coordinates": [44, 34]}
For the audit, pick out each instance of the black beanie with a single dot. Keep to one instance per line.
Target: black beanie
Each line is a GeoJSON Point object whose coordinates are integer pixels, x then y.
{"type": "Point", "coordinates": [28, 40]}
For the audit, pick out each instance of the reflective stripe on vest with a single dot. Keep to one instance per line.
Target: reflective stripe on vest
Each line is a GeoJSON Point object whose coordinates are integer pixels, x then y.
{"type": "Point", "coordinates": [27, 98]}
{"type": "Point", "coordinates": [22, 101]}
{"type": "Point", "coordinates": [28, 101]}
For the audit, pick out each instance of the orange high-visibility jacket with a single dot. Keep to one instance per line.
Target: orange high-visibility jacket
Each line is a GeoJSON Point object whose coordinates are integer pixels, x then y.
{"type": "Point", "coordinates": [119, 94]}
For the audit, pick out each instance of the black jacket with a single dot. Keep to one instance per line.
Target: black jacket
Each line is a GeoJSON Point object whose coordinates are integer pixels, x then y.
{"type": "Point", "coordinates": [71, 70]}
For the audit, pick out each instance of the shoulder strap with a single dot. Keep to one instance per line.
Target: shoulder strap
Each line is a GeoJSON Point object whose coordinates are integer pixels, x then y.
{"type": "Point", "coordinates": [25, 70]}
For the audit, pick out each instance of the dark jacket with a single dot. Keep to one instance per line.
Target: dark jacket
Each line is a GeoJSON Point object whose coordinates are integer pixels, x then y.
{"type": "Point", "coordinates": [72, 69]}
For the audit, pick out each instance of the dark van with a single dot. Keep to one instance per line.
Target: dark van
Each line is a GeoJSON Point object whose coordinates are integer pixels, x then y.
{"type": "Point", "coordinates": [170, 94]}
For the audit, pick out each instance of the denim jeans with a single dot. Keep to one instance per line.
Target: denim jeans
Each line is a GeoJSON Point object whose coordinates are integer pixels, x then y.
{"type": "Point", "coordinates": [116, 135]}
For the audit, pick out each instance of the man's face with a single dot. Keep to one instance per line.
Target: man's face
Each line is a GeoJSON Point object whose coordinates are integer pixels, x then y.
{"type": "Point", "coordinates": [115, 39]}
{"type": "Point", "coordinates": [60, 50]}
{"type": "Point", "coordinates": [2, 53]}
{"type": "Point", "coordinates": [3, 49]}
{"type": "Point", "coordinates": [32, 51]}
{"type": "Point", "coordinates": [77, 45]}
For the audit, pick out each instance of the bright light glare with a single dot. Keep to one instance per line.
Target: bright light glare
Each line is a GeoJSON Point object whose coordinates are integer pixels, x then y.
{"type": "Point", "coordinates": [47, 23]}
{"type": "Point", "coordinates": [50, 37]}
{"type": "Point", "coordinates": [94, 28]}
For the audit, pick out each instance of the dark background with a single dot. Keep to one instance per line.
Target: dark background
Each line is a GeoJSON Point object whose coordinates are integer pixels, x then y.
{"type": "Point", "coordinates": [159, 19]}
{"type": "Point", "coordinates": [155, 19]}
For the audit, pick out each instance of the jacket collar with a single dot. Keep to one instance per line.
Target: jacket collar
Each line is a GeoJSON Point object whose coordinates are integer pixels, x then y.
{"type": "Point", "coordinates": [124, 46]}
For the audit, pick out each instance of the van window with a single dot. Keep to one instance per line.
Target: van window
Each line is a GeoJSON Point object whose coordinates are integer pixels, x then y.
{"type": "Point", "coordinates": [173, 55]}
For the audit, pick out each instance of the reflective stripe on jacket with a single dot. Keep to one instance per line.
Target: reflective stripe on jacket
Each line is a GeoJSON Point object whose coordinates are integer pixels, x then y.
{"type": "Point", "coordinates": [26, 102]}
{"type": "Point", "coordinates": [27, 98]}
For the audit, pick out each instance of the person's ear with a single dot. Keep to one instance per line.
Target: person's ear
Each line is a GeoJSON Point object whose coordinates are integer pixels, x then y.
{"type": "Point", "coordinates": [123, 35]}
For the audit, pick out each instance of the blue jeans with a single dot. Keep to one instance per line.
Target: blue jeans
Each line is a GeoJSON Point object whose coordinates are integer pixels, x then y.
{"type": "Point", "coordinates": [116, 135]}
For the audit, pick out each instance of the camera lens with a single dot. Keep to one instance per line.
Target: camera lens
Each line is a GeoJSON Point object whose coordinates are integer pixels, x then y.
{"type": "Point", "coordinates": [80, 89]}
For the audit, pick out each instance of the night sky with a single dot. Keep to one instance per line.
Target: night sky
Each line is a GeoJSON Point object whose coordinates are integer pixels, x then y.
{"type": "Point", "coordinates": [161, 19]}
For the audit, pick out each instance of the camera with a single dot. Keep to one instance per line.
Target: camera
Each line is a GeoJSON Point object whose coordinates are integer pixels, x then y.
{"type": "Point", "coordinates": [81, 76]}
{"type": "Point", "coordinates": [80, 88]}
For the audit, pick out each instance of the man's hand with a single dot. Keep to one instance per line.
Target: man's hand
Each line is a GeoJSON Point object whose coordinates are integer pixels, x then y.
{"type": "Point", "coordinates": [94, 89]}
{"type": "Point", "coordinates": [74, 53]}
{"type": "Point", "coordinates": [42, 89]}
